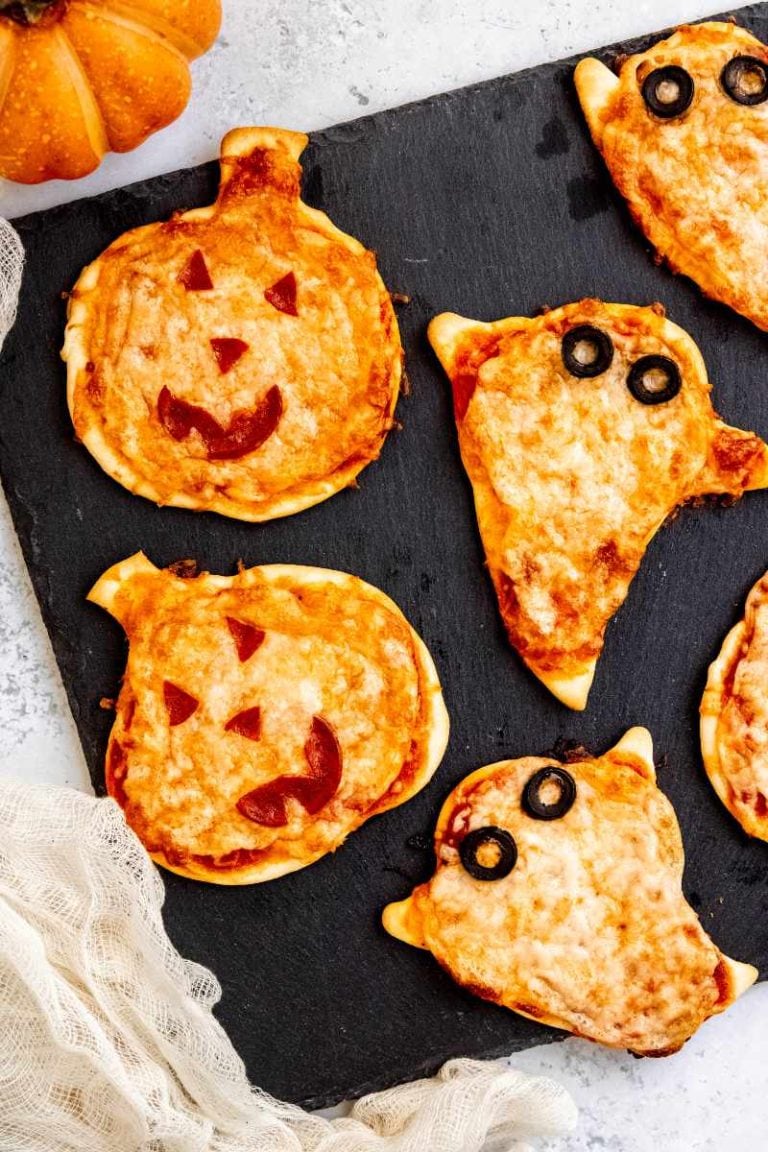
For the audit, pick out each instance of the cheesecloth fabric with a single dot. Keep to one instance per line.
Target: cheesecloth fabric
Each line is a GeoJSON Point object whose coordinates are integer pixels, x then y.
{"type": "Point", "coordinates": [108, 1042]}
{"type": "Point", "coordinates": [107, 1038]}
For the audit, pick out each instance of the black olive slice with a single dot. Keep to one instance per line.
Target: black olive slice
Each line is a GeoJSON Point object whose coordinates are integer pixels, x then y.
{"type": "Point", "coordinates": [745, 80]}
{"type": "Point", "coordinates": [550, 781]}
{"type": "Point", "coordinates": [654, 379]}
{"type": "Point", "coordinates": [488, 853]}
{"type": "Point", "coordinates": [668, 91]}
{"type": "Point", "coordinates": [587, 351]}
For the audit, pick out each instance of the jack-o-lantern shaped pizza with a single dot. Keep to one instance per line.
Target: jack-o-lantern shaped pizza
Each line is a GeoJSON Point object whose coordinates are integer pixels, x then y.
{"type": "Point", "coordinates": [558, 894]}
{"type": "Point", "coordinates": [581, 430]}
{"type": "Point", "coordinates": [683, 130]}
{"type": "Point", "coordinates": [243, 358]}
{"type": "Point", "coordinates": [264, 716]}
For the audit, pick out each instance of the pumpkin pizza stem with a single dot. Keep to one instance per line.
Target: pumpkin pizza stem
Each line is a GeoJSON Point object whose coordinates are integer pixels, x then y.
{"type": "Point", "coordinates": [25, 11]}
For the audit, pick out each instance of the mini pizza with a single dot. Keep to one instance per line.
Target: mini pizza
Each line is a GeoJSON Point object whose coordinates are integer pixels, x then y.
{"type": "Point", "coordinates": [683, 130]}
{"type": "Point", "coordinates": [558, 894]}
{"type": "Point", "coordinates": [263, 716]}
{"type": "Point", "coordinates": [734, 717]}
{"type": "Point", "coordinates": [581, 430]}
{"type": "Point", "coordinates": [242, 358]}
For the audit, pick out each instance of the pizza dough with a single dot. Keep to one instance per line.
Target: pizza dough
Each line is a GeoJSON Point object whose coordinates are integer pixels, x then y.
{"type": "Point", "coordinates": [683, 130]}
{"type": "Point", "coordinates": [264, 716]}
{"type": "Point", "coordinates": [734, 717]}
{"type": "Point", "coordinates": [558, 894]}
{"type": "Point", "coordinates": [581, 430]}
{"type": "Point", "coordinates": [242, 358]}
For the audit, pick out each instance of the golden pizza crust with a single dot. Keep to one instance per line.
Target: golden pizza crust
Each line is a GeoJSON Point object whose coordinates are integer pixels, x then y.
{"type": "Point", "coordinates": [589, 932]}
{"type": "Point", "coordinates": [697, 185]}
{"type": "Point", "coordinates": [572, 477]}
{"type": "Point", "coordinates": [734, 717]}
{"type": "Point", "coordinates": [226, 681]}
{"type": "Point", "coordinates": [304, 406]}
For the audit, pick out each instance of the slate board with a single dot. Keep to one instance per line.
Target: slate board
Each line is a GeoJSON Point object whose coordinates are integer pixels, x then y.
{"type": "Point", "coordinates": [489, 201]}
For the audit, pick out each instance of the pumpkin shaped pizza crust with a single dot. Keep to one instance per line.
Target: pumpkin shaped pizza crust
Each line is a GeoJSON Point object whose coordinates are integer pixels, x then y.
{"type": "Point", "coordinates": [264, 716]}
{"type": "Point", "coordinates": [581, 430]}
{"type": "Point", "coordinates": [734, 717]}
{"type": "Point", "coordinates": [242, 358]}
{"type": "Point", "coordinates": [558, 894]}
{"type": "Point", "coordinates": [683, 130]}
{"type": "Point", "coordinates": [79, 78]}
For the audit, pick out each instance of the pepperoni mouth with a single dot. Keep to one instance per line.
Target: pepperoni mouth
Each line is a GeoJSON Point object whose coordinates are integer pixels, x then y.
{"type": "Point", "coordinates": [267, 805]}
{"type": "Point", "coordinates": [247, 431]}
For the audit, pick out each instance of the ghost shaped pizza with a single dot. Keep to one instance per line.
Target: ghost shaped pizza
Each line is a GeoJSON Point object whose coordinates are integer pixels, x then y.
{"type": "Point", "coordinates": [242, 358]}
{"type": "Point", "coordinates": [264, 716]}
{"type": "Point", "coordinates": [581, 430]}
{"type": "Point", "coordinates": [683, 130]}
{"type": "Point", "coordinates": [558, 894]}
{"type": "Point", "coordinates": [734, 717]}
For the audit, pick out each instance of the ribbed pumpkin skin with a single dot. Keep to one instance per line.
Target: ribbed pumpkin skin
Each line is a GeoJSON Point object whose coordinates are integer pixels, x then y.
{"type": "Point", "coordinates": [94, 76]}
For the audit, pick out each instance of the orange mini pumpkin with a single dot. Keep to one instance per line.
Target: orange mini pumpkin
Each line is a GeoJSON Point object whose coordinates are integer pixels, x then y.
{"type": "Point", "coordinates": [79, 78]}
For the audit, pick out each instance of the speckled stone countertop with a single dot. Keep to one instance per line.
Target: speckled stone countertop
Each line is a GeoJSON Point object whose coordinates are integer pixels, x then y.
{"type": "Point", "coordinates": [306, 64]}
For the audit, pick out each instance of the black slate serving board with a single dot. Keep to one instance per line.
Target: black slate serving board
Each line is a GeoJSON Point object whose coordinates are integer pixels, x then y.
{"type": "Point", "coordinates": [489, 201]}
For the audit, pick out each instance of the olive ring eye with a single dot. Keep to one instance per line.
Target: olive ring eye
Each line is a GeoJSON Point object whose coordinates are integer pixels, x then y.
{"type": "Point", "coordinates": [654, 379]}
{"type": "Point", "coordinates": [488, 853]}
{"type": "Point", "coordinates": [668, 91]}
{"type": "Point", "coordinates": [587, 351]}
{"type": "Point", "coordinates": [549, 794]}
{"type": "Point", "coordinates": [745, 80]}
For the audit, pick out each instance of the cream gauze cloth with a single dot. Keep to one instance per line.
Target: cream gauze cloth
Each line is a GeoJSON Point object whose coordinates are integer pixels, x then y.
{"type": "Point", "coordinates": [107, 1038]}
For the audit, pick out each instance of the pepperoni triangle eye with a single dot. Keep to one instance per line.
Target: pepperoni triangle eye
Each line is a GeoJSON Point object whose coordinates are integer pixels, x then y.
{"type": "Point", "coordinates": [195, 275]}
{"type": "Point", "coordinates": [247, 637]}
{"type": "Point", "coordinates": [282, 295]}
{"type": "Point", "coordinates": [180, 704]}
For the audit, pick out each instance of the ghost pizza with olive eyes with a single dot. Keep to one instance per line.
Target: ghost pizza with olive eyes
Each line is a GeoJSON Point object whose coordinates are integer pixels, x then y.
{"type": "Point", "coordinates": [243, 358]}
{"type": "Point", "coordinates": [683, 130]}
{"type": "Point", "coordinates": [264, 716]}
{"type": "Point", "coordinates": [734, 717]}
{"type": "Point", "coordinates": [558, 894]}
{"type": "Point", "coordinates": [581, 430]}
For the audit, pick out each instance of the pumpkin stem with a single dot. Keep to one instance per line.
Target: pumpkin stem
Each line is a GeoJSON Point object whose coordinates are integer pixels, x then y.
{"type": "Point", "coordinates": [25, 11]}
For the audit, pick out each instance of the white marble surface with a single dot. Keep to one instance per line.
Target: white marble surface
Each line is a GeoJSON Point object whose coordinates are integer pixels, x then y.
{"type": "Point", "coordinates": [306, 64]}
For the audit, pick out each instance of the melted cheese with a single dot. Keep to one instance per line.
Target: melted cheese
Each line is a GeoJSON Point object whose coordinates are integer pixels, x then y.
{"type": "Point", "coordinates": [332, 647]}
{"type": "Point", "coordinates": [697, 185]}
{"type": "Point", "coordinates": [734, 717]}
{"type": "Point", "coordinates": [589, 931]}
{"type": "Point", "coordinates": [135, 329]}
{"type": "Point", "coordinates": [572, 477]}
